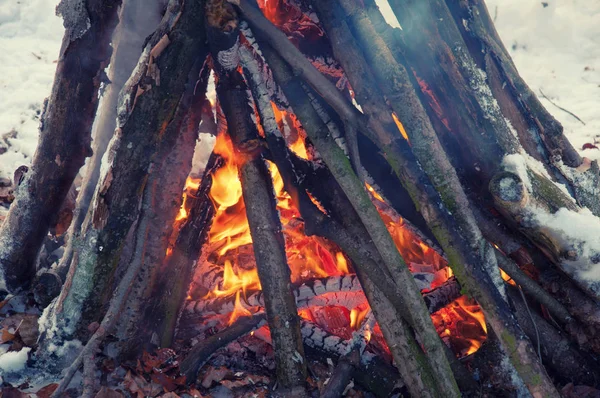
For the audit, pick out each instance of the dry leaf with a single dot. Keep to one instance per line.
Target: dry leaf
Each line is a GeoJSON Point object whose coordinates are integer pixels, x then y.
{"type": "Point", "coordinates": [46, 392]}
{"type": "Point", "coordinates": [106, 392]}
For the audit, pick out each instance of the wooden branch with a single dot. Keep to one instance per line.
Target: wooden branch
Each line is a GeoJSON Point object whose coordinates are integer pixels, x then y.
{"type": "Point", "coordinates": [201, 352]}
{"type": "Point", "coordinates": [156, 284]}
{"type": "Point", "coordinates": [372, 372]}
{"type": "Point", "coordinates": [149, 102]}
{"type": "Point", "coordinates": [354, 190]}
{"type": "Point", "coordinates": [348, 113]}
{"type": "Point", "coordinates": [479, 29]}
{"type": "Point", "coordinates": [64, 143]}
{"type": "Point", "coordinates": [336, 290]}
{"type": "Point", "coordinates": [257, 191]}
{"type": "Point", "coordinates": [474, 268]}
{"type": "Point", "coordinates": [138, 19]}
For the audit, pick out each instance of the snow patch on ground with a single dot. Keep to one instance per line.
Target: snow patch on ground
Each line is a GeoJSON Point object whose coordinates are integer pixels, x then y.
{"type": "Point", "coordinates": [14, 361]}
{"type": "Point", "coordinates": [30, 38]}
{"type": "Point", "coordinates": [556, 49]}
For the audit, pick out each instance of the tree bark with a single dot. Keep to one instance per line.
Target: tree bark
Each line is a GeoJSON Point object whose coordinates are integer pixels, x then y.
{"type": "Point", "coordinates": [149, 104]}
{"type": "Point", "coordinates": [136, 21]}
{"type": "Point", "coordinates": [65, 138]}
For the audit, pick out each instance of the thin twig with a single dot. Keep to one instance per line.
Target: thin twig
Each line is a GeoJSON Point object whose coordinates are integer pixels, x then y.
{"type": "Point", "coordinates": [561, 108]}
{"type": "Point", "coordinates": [537, 333]}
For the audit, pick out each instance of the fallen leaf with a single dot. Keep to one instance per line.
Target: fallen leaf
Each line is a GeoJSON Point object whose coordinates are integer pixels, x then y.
{"type": "Point", "coordinates": [588, 145]}
{"type": "Point", "coordinates": [106, 392]}
{"type": "Point", "coordinates": [46, 392]}
{"type": "Point", "coordinates": [214, 375]}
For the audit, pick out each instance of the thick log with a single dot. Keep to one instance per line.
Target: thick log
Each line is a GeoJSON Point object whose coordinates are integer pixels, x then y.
{"type": "Point", "coordinates": [167, 180]}
{"type": "Point", "coordinates": [137, 19]}
{"type": "Point", "coordinates": [522, 106]}
{"type": "Point", "coordinates": [257, 191]}
{"type": "Point", "coordinates": [336, 290]}
{"type": "Point", "coordinates": [148, 105]}
{"type": "Point", "coordinates": [176, 271]}
{"type": "Point", "coordinates": [65, 136]}
{"type": "Point", "coordinates": [117, 302]}
{"type": "Point", "coordinates": [470, 257]}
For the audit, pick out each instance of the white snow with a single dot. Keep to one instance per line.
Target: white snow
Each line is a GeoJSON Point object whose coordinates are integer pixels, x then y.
{"type": "Point", "coordinates": [30, 38]}
{"type": "Point", "coordinates": [14, 361]}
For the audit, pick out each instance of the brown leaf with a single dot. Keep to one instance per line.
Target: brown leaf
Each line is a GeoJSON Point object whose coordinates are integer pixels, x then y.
{"type": "Point", "coordinates": [6, 336]}
{"type": "Point", "coordinates": [24, 326]}
{"type": "Point", "coordinates": [46, 392]}
{"type": "Point", "coordinates": [165, 381]}
{"type": "Point", "coordinates": [135, 384]}
{"type": "Point", "coordinates": [214, 375]}
{"type": "Point", "coordinates": [571, 391]}
{"type": "Point", "coordinates": [106, 392]}
{"type": "Point", "coordinates": [169, 395]}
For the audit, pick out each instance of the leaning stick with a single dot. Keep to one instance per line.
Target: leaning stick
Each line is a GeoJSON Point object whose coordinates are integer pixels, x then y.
{"type": "Point", "coordinates": [338, 164]}
{"type": "Point", "coordinates": [350, 116]}
{"type": "Point", "coordinates": [478, 267]}
{"type": "Point", "coordinates": [65, 138]}
{"type": "Point", "coordinates": [257, 190]}
{"type": "Point", "coordinates": [137, 19]}
{"type": "Point", "coordinates": [408, 355]}
{"type": "Point", "coordinates": [149, 102]}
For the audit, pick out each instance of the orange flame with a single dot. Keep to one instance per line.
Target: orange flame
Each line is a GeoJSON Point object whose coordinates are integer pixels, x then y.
{"type": "Point", "coordinates": [238, 310]}
{"type": "Point", "coordinates": [234, 282]}
{"type": "Point", "coordinates": [357, 316]}
{"type": "Point", "coordinates": [507, 278]}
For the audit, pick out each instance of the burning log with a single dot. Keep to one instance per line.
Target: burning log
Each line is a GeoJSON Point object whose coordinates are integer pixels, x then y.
{"type": "Point", "coordinates": [312, 122]}
{"type": "Point", "coordinates": [149, 102]}
{"type": "Point", "coordinates": [257, 189]}
{"type": "Point", "coordinates": [342, 291]}
{"type": "Point", "coordinates": [64, 140]}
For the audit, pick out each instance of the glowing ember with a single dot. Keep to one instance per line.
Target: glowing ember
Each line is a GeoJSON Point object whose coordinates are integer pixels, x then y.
{"type": "Point", "coordinates": [507, 278]}
{"type": "Point", "coordinates": [462, 325]}
{"type": "Point", "coordinates": [400, 126]}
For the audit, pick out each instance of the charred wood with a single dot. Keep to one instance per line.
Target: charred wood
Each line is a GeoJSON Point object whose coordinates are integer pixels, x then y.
{"type": "Point", "coordinates": [316, 129]}
{"type": "Point", "coordinates": [177, 268]}
{"type": "Point", "coordinates": [202, 351]}
{"type": "Point", "coordinates": [65, 138]}
{"type": "Point", "coordinates": [343, 291]}
{"type": "Point", "coordinates": [342, 375]}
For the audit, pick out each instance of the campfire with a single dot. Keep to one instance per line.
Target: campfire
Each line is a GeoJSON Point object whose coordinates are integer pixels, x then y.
{"type": "Point", "coordinates": [377, 215]}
